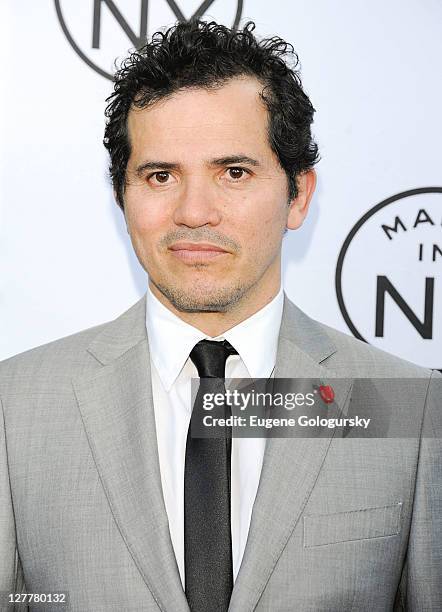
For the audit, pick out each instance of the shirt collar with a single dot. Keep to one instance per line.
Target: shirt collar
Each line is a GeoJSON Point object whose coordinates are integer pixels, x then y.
{"type": "Point", "coordinates": [171, 339]}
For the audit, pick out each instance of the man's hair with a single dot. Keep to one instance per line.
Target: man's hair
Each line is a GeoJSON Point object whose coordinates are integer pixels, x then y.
{"type": "Point", "coordinates": [207, 55]}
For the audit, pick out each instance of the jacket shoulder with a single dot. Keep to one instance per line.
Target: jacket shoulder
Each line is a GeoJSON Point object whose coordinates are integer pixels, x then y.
{"type": "Point", "coordinates": [52, 365]}
{"type": "Point", "coordinates": [359, 359]}
{"type": "Point", "coordinates": [51, 360]}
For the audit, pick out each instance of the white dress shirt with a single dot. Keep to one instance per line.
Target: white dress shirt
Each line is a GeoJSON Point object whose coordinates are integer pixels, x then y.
{"type": "Point", "coordinates": [170, 343]}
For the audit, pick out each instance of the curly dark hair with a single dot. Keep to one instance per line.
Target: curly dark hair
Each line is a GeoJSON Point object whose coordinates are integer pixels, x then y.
{"type": "Point", "coordinates": [207, 54]}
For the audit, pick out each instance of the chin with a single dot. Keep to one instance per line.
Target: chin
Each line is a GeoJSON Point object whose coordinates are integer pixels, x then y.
{"type": "Point", "coordinates": [200, 298]}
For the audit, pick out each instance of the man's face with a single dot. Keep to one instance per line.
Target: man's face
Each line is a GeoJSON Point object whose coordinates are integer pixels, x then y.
{"type": "Point", "coordinates": [206, 202]}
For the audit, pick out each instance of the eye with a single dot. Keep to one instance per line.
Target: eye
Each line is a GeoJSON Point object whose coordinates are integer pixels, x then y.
{"type": "Point", "coordinates": [237, 173]}
{"type": "Point", "coordinates": [162, 177]}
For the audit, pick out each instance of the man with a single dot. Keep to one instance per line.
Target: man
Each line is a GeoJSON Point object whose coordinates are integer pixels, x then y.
{"type": "Point", "coordinates": [105, 493]}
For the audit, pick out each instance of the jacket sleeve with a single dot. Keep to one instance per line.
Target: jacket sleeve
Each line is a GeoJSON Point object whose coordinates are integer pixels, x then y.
{"type": "Point", "coordinates": [11, 573]}
{"type": "Point", "coordinates": [422, 587]}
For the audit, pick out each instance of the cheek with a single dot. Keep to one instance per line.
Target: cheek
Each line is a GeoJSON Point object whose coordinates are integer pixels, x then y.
{"type": "Point", "coordinates": [276, 221]}
{"type": "Point", "coordinates": [146, 217]}
{"type": "Point", "coordinates": [264, 223]}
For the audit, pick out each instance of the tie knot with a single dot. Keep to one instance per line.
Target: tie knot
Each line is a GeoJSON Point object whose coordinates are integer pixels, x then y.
{"type": "Point", "coordinates": [210, 356]}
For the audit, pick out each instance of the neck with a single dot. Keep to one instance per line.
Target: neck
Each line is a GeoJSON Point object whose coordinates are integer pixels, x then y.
{"type": "Point", "coordinates": [216, 323]}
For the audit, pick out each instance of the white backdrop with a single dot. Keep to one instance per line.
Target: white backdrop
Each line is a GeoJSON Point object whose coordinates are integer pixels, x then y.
{"type": "Point", "coordinates": [372, 71]}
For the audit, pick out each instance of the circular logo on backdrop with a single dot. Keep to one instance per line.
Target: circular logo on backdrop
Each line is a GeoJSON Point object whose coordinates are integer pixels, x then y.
{"type": "Point", "coordinates": [389, 276]}
{"type": "Point", "coordinates": [101, 31]}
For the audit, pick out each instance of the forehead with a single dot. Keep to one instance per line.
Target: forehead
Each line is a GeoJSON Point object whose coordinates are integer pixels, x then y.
{"type": "Point", "coordinates": [232, 115]}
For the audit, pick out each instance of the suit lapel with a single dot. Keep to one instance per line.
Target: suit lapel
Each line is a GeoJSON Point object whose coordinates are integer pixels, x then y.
{"type": "Point", "coordinates": [291, 465]}
{"type": "Point", "coordinates": [116, 405]}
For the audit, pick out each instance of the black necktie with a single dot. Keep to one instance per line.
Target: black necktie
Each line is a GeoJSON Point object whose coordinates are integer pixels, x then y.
{"type": "Point", "coordinates": [207, 533]}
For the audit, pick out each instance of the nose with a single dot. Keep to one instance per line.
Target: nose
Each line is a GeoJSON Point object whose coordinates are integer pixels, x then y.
{"type": "Point", "coordinates": [197, 203]}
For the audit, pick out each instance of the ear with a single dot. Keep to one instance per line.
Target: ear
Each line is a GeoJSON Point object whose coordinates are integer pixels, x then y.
{"type": "Point", "coordinates": [306, 183]}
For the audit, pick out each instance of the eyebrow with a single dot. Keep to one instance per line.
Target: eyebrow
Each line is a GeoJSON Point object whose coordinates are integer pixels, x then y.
{"type": "Point", "coordinates": [215, 162]}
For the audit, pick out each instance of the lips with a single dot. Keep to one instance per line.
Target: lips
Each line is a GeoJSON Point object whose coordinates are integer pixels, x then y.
{"type": "Point", "coordinates": [197, 252]}
{"type": "Point", "coordinates": [196, 246]}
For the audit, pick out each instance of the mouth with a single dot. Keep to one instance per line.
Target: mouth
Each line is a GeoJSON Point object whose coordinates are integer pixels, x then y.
{"type": "Point", "coordinates": [196, 251]}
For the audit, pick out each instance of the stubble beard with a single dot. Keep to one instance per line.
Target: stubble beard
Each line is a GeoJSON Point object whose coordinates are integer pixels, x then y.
{"type": "Point", "coordinates": [200, 299]}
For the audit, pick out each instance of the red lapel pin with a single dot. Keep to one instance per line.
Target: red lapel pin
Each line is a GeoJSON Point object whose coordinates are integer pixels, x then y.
{"type": "Point", "coordinates": [327, 394]}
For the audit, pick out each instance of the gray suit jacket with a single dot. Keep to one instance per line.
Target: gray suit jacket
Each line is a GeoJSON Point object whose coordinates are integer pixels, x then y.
{"type": "Point", "coordinates": [338, 525]}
